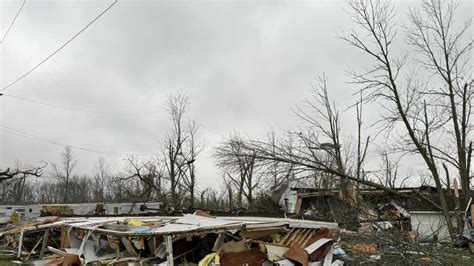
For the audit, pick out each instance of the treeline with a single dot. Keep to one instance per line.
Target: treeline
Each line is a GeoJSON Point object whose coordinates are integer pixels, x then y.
{"type": "Point", "coordinates": [104, 186]}
{"type": "Point", "coordinates": [81, 189]}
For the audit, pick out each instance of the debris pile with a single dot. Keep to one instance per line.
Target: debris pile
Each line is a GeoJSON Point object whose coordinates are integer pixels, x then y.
{"type": "Point", "coordinates": [191, 239]}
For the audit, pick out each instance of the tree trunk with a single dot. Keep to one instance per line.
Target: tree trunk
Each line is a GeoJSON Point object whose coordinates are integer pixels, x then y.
{"type": "Point", "coordinates": [239, 195]}
{"type": "Point", "coordinates": [191, 190]}
{"type": "Point", "coordinates": [457, 210]}
{"type": "Point", "coordinates": [66, 198]}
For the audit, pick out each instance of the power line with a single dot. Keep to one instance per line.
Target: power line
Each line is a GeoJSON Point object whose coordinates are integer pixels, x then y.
{"type": "Point", "coordinates": [13, 21]}
{"type": "Point", "coordinates": [76, 108]}
{"type": "Point", "coordinates": [37, 138]}
{"type": "Point", "coordinates": [61, 47]}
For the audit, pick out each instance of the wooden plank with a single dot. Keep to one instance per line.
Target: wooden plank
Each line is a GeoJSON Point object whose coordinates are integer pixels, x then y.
{"type": "Point", "coordinates": [34, 248]}
{"type": "Point", "coordinates": [20, 244]}
{"type": "Point", "coordinates": [45, 243]}
{"type": "Point", "coordinates": [282, 242]}
{"type": "Point", "coordinates": [298, 205]}
{"type": "Point", "coordinates": [169, 250]}
{"type": "Point", "coordinates": [472, 214]}
{"type": "Point", "coordinates": [64, 239]}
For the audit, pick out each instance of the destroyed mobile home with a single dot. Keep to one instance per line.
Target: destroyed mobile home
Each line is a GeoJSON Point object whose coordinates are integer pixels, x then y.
{"type": "Point", "coordinates": [411, 211]}
{"type": "Point", "coordinates": [189, 239]}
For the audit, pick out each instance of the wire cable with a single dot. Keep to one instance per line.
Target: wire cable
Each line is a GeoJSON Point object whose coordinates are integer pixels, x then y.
{"type": "Point", "coordinates": [13, 22]}
{"type": "Point", "coordinates": [76, 108]}
{"type": "Point", "coordinates": [37, 138]}
{"type": "Point", "coordinates": [59, 49]}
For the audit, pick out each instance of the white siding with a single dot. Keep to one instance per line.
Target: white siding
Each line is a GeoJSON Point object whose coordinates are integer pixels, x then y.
{"type": "Point", "coordinates": [428, 224]}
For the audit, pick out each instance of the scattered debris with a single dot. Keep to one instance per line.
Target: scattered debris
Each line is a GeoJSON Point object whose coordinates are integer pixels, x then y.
{"type": "Point", "coordinates": [206, 240]}
{"type": "Point", "coordinates": [412, 210]}
{"type": "Point", "coordinates": [363, 248]}
{"type": "Point", "coordinates": [197, 238]}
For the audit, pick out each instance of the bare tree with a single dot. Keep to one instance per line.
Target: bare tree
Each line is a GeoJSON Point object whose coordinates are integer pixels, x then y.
{"type": "Point", "coordinates": [273, 169]}
{"type": "Point", "coordinates": [191, 150]}
{"type": "Point", "coordinates": [411, 101]}
{"type": "Point", "coordinates": [102, 175]}
{"type": "Point", "coordinates": [322, 116]}
{"type": "Point", "coordinates": [64, 170]}
{"type": "Point", "coordinates": [213, 198]}
{"type": "Point", "coordinates": [181, 150]}
{"type": "Point", "coordinates": [313, 151]}
{"type": "Point", "coordinates": [149, 180]}
{"type": "Point", "coordinates": [275, 173]}
{"type": "Point", "coordinates": [388, 174]}
{"type": "Point", "coordinates": [229, 188]}
{"type": "Point", "coordinates": [445, 52]}
{"type": "Point", "coordinates": [13, 181]}
{"type": "Point", "coordinates": [175, 163]}
{"type": "Point", "coordinates": [177, 107]}
{"type": "Point", "coordinates": [9, 173]}
{"type": "Point", "coordinates": [239, 167]}
{"type": "Point", "coordinates": [361, 147]}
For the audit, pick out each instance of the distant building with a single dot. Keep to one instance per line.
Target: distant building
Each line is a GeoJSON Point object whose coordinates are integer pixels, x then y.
{"type": "Point", "coordinates": [30, 211]}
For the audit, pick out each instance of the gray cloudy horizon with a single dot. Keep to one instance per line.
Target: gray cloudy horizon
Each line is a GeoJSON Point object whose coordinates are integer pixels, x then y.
{"type": "Point", "coordinates": [243, 64]}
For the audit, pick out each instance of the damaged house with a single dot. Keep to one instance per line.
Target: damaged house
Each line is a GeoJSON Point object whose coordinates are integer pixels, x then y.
{"type": "Point", "coordinates": [413, 211]}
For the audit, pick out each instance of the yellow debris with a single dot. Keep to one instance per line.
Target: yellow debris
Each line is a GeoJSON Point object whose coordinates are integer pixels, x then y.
{"type": "Point", "coordinates": [133, 222]}
{"type": "Point", "coordinates": [213, 257]}
{"type": "Point", "coordinates": [15, 218]}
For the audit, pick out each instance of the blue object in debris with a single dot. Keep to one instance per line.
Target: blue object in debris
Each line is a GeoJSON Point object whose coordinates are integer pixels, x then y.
{"type": "Point", "coordinates": [341, 253]}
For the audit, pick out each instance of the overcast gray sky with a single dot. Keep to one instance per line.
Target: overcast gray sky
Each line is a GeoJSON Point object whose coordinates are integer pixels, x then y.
{"type": "Point", "coordinates": [242, 63]}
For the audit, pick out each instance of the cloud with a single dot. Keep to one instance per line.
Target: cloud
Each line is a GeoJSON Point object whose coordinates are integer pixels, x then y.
{"type": "Point", "coordinates": [243, 64]}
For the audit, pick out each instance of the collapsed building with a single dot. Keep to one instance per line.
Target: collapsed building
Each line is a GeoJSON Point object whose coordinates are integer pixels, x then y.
{"type": "Point", "coordinates": [191, 239]}
{"type": "Point", "coordinates": [309, 233]}
{"type": "Point", "coordinates": [411, 209]}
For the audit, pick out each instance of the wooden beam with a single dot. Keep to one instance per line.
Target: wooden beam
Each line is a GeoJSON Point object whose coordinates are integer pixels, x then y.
{"type": "Point", "coordinates": [34, 248]}
{"type": "Point", "coordinates": [472, 214]}
{"type": "Point", "coordinates": [169, 250]}
{"type": "Point", "coordinates": [297, 205]}
{"type": "Point", "coordinates": [45, 243]}
{"type": "Point", "coordinates": [20, 243]}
